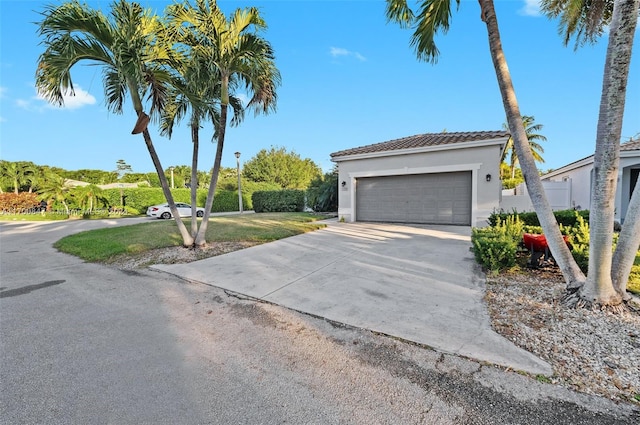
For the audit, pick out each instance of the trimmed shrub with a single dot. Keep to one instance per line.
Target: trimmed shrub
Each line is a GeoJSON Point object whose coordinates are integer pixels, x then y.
{"type": "Point", "coordinates": [288, 200]}
{"type": "Point", "coordinates": [17, 203]}
{"type": "Point", "coordinates": [493, 249]}
{"type": "Point", "coordinates": [226, 201]}
{"type": "Point", "coordinates": [564, 217]}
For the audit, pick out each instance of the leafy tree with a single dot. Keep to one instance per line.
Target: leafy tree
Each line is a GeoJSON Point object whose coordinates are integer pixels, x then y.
{"type": "Point", "coordinates": [89, 176]}
{"type": "Point", "coordinates": [536, 149]}
{"type": "Point", "coordinates": [286, 169]}
{"type": "Point", "coordinates": [586, 20]}
{"type": "Point", "coordinates": [322, 194]}
{"type": "Point", "coordinates": [122, 168]}
{"type": "Point", "coordinates": [239, 58]}
{"type": "Point", "coordinates": [138, 178]}
{"type": "Point", "coordinates": [134, 59]}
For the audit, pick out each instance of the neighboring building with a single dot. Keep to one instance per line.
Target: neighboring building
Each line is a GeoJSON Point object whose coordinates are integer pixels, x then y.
{"type": "Point", "coordinates": [579, 176]}
{"type": "Point", "coordinates": [437, 178]}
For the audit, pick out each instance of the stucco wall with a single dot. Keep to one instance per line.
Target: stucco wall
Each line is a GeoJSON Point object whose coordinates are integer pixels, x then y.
{"type": "Point", "coordinates": [580, 186]}
{"type": "Point", "coordinates": [480, 161]}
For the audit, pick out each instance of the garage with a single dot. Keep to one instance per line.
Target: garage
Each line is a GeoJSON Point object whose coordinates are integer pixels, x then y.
{"type": "Point", "coordinates": [442, 178]}
{"type": "Point", "coordinates": [435, 198]}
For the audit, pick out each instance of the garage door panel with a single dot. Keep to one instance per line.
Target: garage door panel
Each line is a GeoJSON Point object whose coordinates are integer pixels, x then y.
{"type": "Point", "coordinates": [442, 198]}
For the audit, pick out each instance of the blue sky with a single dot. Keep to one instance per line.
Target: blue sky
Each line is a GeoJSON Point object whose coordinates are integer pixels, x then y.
{"type": "Point", "coordinates": [348, 79]}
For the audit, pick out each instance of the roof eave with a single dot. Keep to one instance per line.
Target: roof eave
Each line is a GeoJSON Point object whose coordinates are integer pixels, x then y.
{"type": "Point", "coordinates": [397, 152]}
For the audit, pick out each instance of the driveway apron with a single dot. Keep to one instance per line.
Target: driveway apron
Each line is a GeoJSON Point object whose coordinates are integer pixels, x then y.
{"type": "Point", "coordinates": [414, 282]}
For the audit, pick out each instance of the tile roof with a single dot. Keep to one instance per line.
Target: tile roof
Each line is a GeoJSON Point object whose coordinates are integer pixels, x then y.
{"type": "Point", "coordinates": [631, 145]}
{"type": "Point", "coordinates": [422, 141]}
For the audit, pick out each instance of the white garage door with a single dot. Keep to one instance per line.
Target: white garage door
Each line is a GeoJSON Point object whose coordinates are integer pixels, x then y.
{"type": "Point", "coordinates": [442, 198]}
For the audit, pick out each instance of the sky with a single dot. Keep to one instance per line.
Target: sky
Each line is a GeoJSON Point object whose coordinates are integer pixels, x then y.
{"type": "Point", "coordinates": [349, 79]}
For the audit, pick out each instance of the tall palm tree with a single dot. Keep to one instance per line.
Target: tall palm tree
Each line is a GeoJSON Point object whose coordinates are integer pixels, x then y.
{"type": "Point", "coordinates": [196, 91]}
{"type": "Point", "coordinates": [433, 18]}
{"type": "Point", "coordinates": [240, 59]}
{"type": "Point", "coordinates": [133, 57]}
{"type": "Point", "coordinates": [608, 273]}
{"type": "Point", "coordinates": [55, 188]}
{"type": "Point", "coordinates": [537, 150]}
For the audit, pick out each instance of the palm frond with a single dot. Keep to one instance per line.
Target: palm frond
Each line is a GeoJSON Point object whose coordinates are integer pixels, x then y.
{"type": "Point", "coordinates": [583, 20]}
{"type": "Point", "coordinates": [398, 11]}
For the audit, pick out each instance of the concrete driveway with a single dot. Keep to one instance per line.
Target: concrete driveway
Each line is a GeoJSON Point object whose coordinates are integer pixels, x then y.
{"type": "Point", "coordinates": [417, 283]}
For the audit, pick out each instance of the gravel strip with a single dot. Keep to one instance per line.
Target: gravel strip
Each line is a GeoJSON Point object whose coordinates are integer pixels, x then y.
{"type": "Point", "coordinates": [591, 351]}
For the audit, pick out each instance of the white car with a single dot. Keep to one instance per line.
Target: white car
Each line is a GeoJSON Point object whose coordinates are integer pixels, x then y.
{"type": "Point", "coordinates": [163, 211]}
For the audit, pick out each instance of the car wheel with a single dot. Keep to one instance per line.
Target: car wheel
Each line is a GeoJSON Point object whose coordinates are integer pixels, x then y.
{"type": "Point", "coordinates": [200, 214]}
{"type": "Point", "coordinates": [165, 215]}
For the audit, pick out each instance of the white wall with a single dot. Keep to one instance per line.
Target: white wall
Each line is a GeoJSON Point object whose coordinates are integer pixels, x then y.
{"type": "Point", "coordinates": [580, 185]}
{"type": "Point", "coordinates": [558, 194]}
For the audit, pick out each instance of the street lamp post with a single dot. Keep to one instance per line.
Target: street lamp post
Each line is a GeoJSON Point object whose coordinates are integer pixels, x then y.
{"type": "Point", "coordinates": [171, 168]}
{"type": "Point", "coordinates": [237, 154]}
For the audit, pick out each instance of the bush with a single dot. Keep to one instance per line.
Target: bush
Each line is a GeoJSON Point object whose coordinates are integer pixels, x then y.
{"type": "Point", "coordinates": [16, 203]}
{"type": "Point", "coordinates": [226, 201]}
{"type": "Point", "coordinates": [289, 200]}
{"type": "Point", "coordinates": [322, 194]}
{"type": "Point", "coordinates": [565, 217]}
{"type": "Point", "coordinates": [495, 247]}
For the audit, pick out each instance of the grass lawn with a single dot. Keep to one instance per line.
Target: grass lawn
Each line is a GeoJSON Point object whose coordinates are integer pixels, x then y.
{"type": "Point", "coordinates": [102, 244]}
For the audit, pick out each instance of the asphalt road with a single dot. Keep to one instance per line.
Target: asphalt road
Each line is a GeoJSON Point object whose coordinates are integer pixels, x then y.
{"type": "Point", "coordinates": [83, 343]}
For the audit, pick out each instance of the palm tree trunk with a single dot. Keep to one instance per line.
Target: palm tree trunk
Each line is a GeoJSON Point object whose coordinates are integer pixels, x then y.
{"type": "Point", "coordinates": [571, 272]}
{"type": "Point", "coordinates": [599, 285]}
{"type": "Point", "coordinates": [187, 240]}
{"type": "Point", "coordinates": [201, 236]}
{"type": "Point", "coordinates": [195, 138]}
{"type": "Point", "coordinates": [627, 246]}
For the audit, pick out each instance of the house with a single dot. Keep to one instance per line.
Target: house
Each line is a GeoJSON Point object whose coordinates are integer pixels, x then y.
{"type": "Point", "coordinates": [436, 178]}
{"type": "Point", "coordinates": [578, 176]}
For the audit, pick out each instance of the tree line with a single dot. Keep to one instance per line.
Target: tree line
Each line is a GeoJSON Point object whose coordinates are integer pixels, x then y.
{"type": "Point", "coordinates": [276, 167]}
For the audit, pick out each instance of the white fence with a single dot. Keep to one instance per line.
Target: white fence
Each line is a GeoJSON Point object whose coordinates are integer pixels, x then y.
{"type": "Point", "coordinates": [558, 194]}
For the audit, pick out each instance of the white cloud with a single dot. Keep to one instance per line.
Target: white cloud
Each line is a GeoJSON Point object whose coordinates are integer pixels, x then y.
{"type": "Point", "coordinates": [24, 104]}
{"type": "Point", "coordinates": [530, 8]}
{"type": "Point", "coordinates": [339, 51]}
{"type": "Point", "coordinates": [78, 100]}
{"type": "Point", "coordinates": [3, 91]}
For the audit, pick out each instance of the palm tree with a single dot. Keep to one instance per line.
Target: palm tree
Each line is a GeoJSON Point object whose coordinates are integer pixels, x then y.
{"type": "Point", "coordinates": [133, 57]}
{"type": "Point", "coordinates": [88, 195]}
{"type": "Point", "coordinates": [536, 149]}
{"type": "Point", "coordinates": [432, 18]}
{"type": "Point", "coordinates": [17, 173]}
{"type": "Point", "coordinates": [239, 58]}
{"type": "Point", "coordinates": [55, 188]}
{"type": "Point", "coordinates": [608, 273]}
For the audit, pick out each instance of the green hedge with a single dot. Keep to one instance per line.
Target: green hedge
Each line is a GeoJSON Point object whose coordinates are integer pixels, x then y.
{"type": "Point", "coordinates": [565, 217]}
{"type": "Point", "coordinates": [139, 199]}
{"type": "Point", "coordinates": [287, 200]}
